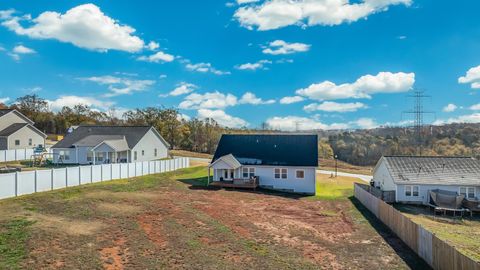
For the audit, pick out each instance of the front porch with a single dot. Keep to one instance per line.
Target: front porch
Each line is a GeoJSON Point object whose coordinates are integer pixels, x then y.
{"type": "Point", "coordinates": [229, 173]}
{"type": "Point", "coordinates": [237, 183]}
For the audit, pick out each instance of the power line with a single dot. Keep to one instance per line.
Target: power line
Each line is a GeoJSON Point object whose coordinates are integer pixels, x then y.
{"type": "Point", "coordinates": [418, 113]}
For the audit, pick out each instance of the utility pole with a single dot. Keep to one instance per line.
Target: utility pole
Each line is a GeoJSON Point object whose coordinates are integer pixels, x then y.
{"type": "Point", "coordinates": [418, 113]}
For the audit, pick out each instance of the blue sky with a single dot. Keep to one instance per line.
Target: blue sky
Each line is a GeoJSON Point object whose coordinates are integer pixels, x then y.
{"type": "Point", "coordinates": [305, 64]}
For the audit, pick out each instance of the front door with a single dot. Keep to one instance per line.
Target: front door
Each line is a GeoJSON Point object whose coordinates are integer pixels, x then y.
{"type": "Point", "coordinates": [228, 174]}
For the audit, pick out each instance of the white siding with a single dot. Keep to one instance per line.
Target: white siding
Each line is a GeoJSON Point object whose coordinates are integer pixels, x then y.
{"type": "Point", "coordinates": [267, 178]}
{"type": "Point", "coordinates": [423, 193]}
{"type": "Point", "coordinates": [148, 144]}
{"type": "Point", "coordinates": [10, 119]}
{"type": "Point", "coordinates": [382, 177]}
{"type": "Point", "coordinates": [23, 135]}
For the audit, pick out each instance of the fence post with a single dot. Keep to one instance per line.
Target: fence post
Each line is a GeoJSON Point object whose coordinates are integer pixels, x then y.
{"type": "Point", "coordinates": [111, 171]}
{"type": "Point", "coordinates": [128, 170]}
{"type": "Point", "coordinates": [16, 155]}
{"type": "Point", "coordinates": [36, 185]}
{"type": "Point", "coordinates": [66, 177]}
{"type": "Point", "coordinates": [5, 152]}
{"type": "Point", "coordinates": [79, 176]}
{"type": "Point", "coordinates": [91, 174]}
{"type": "Point", "coordinates": [26, 154]}
{"type": "Point", "coordinates": [101, 173]}
{"type": "Point", "coordinates": [16, 184]}
{"type": "Point", "coordinates": [51, 179]}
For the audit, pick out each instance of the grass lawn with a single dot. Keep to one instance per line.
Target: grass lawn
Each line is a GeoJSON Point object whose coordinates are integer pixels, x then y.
{"type": "Point", "coordinates": [335, 188]}
{"type": "Point", "coordinates": [172, 221]}
{"type": "Point", "coordinates": [329, 164]}
{"type": "Point", "coordinates": [464, 233]}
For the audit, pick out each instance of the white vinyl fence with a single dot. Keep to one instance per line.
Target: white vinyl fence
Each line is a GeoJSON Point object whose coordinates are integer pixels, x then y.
{"type": "Point", "coordinates": [22, 183]}
{"type": "Point", "coordinates": [15, 155]}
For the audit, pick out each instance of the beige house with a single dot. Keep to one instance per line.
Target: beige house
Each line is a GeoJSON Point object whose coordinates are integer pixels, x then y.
{"type": "Point", "coordinates": [18, 132]}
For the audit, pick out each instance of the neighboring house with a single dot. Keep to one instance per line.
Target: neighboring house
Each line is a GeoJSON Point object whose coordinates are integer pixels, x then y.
{"type": "Point", "coordinates": [110, 144]}
{"type": "Point", "coordinates": [411, 178]}
{"type": "Point", "coordinates": [280, 161]}
{"type": "Point", "coordinates": [18, 132]}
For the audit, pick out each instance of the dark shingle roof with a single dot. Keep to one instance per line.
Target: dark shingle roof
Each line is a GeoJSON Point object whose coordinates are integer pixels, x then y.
{"type": "Point", "coordinates": [434, 170]}
{"type": "Point", "coordinates": [12, 129]}
{"type": "Point", "coordinates": [270, 149]}
{"type": "Point", "coordinates": [133, 134]}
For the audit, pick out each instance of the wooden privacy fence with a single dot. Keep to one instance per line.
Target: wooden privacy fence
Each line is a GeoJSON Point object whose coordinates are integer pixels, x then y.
{"type": "Point", "coordinates": [437, 253]}
{"type": "Point", "coordinates": [23, 183]}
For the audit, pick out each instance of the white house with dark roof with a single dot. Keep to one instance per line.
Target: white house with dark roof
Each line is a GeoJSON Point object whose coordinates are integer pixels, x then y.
{"type": "Point", "coordinates": [412, 177]}
{"type": "Point", "coordinates": [285, 162]}
{"type": "Point", "coordinates": [18, 132]}
{"type": "Point", "coordinates": [110, 144]}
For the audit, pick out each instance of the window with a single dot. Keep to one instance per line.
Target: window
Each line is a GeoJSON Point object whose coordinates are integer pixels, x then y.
{"type": "Point", "coordinates": [143, 152]}
{"type": "Point", "coordinates": [64, 155]}
{"type": "Point", "coordinates": [248, 172]}
{"type": "Point", "coordinates": [135, 155]}
{"type": "Point", "coordinates": [155, 152]}
{"type": "Point", "coordinates": [30, 142]}
{"type": "Point", "coordinates": [100, 157]}
{"type": "Point", "coordinates": [411, 191]}
{"type": "Point", "coordinates": [280, 173]}
{"type": "Point", "coordinates": [17, 142]}
{"type": "Point", "coordinates": [300, 174]}
{"type": "Point", "coordinates": [469, 192]}
{"type": "Point", "coordinates": [89, 156]}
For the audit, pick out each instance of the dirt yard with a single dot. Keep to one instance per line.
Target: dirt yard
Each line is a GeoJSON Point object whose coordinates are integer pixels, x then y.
{"type": "Point", "coordinates": [171, 221]}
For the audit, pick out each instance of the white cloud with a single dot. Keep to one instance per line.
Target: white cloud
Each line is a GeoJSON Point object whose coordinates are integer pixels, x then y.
{"type": "Point", "coordinates": [222, 118]}
{"type": "Point", "coordinates": [273, 14]}
{"type": "Point", "coordinates": [184, 117]}
{"type": "Point", "coordinates": [20, 49]}
{"type": "Point", "coordinates": [84, 26]}
{"type": "Point", "coordinates": [469, 118]}
{"type": "Point", "coordinates": [121, 86]}
{"type": "Point", "coordinates": [71, 101]}
{"type": "Point", "coordinates": [293, 123]}
{"type": "Point", "coordinates": [366, 123]}
{"type": "Point", "coordinates": [475, 107]}
{"type": "Point", "coordinates": [251, 98]}
{"type": "Point", "coordinates": [241, 2]}
{"type": "Point", "coordinates": [329, 106]}
{"type": "Point", "coordinates": [213, 100]}
{"type": "Point", "coordinates": [157, 57]}
{"type": "Point", "coordinates": [163, 76]}
{"type": "Point", "coordinates": [254, 66]}
{"type": "Point", "coordinates": [450, 108]}
{"type": "Point", "coordinates": [4, 100]}
{"type": "Point", "coordinates": [182, 88]}
{"type": "Point", "coordinates": [472, 77]}
{"type": "Point", "coordinates": [363, 87]}
{"type": "Point", "coordinates": [6, 14]}
{"type": "Point", "coordinates": [152, 45]}
{"type": "Point", "coordinates": [290, 100]}
{"type": "Point", "coordinates": [204, 68]}
{"type": "Point", "coordinates": [281, 47]}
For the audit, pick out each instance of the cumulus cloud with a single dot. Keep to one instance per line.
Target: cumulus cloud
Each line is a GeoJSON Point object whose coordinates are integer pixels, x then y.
{"type": "Point", "coordinates": [450, 108]}
{"type": "Point", "coordinates": [329, 106]}
{"type": "Point", "coordinates": [20, 49]}
{"type": "Point", "coordinates": [273, 14]}
{"type": "Point", "coordinates": [71, 101]}
{"type": "Point", "coordinates": [469, 118]}
{"type": "Point", "coordinates": [152, 45]}
{"type": "Point", "coordinates": [119, 85]}
{"type": "Point", "coordinates": [182, 88]}
{"type": "Point", "coordinates": [222, 118]}
{"type": "Point", "coordinates": [281, 47]}
{"type": "Point", "coordinates": [157, 57]}
{"type": "Point", "coordinates": [363, 87]}
{"type": "Point", "coordinates": [472, 77]}
{"type": "Point", "coordinates": [475, 107]}
{"type": "Point", "coordinates": [212, 100]}
{"type": "Point", "coordinates": [205, 68]}
{"type": "Point", "coordinates": [290, 100]}
{"type": "Point", "coordinates": [366, 123]}
{"type": "Point", "coordinates": [241, 2]}
{"type": "Point", "coordinates": [84, 26]}
{"type": "Point", "coordinates": [251, 98]}
{"type": "Point", "coordinates": [4, 100]}
{"type": "Point", "coordinates": [254, 66]}
{"type": "Point", "coordinates": [6, 14]}
{"type": "Point", "coordinates": [294, 123]}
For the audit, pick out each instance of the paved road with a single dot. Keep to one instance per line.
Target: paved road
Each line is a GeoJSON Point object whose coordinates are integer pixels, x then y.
{"type": "Point", "coordinates": [363, 177]}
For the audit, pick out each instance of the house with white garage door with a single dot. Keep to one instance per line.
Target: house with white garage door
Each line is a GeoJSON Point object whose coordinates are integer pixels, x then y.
{"type": "Point", "coordinates": [18, 132]}
{"type": "Point", "coordinates": [110, 144]}
{"type": "Point", "coordinates": [285, 162]}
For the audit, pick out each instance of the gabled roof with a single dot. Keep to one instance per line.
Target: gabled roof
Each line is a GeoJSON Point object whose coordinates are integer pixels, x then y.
{"type": "Point", "coordinates": [230, 160]}
{"type": "Point", "coordinates": [118, 145]}
{"type": "Point", "coordinates": [270, 149]}
{"type": "Point", "coordinates": [433, 170]}
{"type": "Point", "coordinates": [94, 140]}
{"type": "Point", "coordinates": [18, 126]}
{"type": "Point", "coordinates": [132, 134]}
{"type": "Point", "coordinates": [4, 112]}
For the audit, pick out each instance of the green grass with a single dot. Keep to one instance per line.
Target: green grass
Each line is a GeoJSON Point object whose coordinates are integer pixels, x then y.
{"type": "Point", "coordinates": [13, 238]}
{"type": "Point", "coordinates": [338, 188]}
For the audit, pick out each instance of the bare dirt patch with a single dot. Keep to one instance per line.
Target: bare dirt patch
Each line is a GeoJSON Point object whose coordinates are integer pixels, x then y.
{"type": "Point", "coordinates": [119, 208]}
{"type": "Point", "coordinates": [68, 226]}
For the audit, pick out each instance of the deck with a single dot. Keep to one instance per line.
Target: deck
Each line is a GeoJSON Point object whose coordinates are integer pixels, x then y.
{"type": "Point", "coordinates": [236, 183]}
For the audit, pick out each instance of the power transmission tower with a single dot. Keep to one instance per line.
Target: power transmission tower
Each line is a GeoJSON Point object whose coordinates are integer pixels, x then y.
{"type": "Point", "coordinates": [418, 113]}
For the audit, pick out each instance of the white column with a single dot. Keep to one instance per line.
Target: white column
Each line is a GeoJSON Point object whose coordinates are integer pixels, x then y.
{"type": "Point", "coordinates": [94, 158]}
